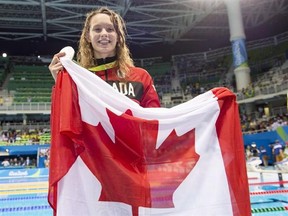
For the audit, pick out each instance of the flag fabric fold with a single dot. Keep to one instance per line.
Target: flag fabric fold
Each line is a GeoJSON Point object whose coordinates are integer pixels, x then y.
{"type": "Point", "coordinates": [109, 156]}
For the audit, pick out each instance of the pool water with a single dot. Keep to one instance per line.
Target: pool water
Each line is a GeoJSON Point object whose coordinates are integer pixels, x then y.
{"type": "Point", "coordinates": [268, 196]}
{"type": "Point", "coordinates": [32, 204]}
{"type": "Point", "coordinates": [24, 197]}
{"type": "Point", "coordinates": [28, 196]}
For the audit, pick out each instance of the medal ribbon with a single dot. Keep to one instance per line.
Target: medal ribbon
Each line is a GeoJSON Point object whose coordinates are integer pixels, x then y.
{"type": "Point", "coordinates": [103, 67]}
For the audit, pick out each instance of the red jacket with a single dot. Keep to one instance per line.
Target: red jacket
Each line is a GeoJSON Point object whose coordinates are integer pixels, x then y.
{"type": "Point", "coordinates": [138, 85]}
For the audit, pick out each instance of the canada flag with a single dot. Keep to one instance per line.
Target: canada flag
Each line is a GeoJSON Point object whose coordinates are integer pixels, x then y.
{"type": "Point", "coordinates": [111, 157]}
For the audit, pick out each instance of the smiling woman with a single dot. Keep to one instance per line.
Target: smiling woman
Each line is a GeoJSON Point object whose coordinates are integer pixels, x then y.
{"type": "Point", "coordinates": [102, 36]}
{"type": "Point", "coordinates": [103, 50]}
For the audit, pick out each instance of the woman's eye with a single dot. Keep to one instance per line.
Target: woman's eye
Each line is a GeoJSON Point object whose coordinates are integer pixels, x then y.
{"type": "Point", "coordinates": [97, 29]}
{"type": "Point", "coordinates": [110, 29]}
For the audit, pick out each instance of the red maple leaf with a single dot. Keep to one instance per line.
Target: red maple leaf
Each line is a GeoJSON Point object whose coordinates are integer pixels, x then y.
{"type": "Point", "coordinates": [132, 170]}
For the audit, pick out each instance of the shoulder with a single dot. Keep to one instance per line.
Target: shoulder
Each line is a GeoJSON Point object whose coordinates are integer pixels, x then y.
{"type": "Point", "coordinates": [140, 73]}
{"type": "Point", "coordinates": [139, 70]}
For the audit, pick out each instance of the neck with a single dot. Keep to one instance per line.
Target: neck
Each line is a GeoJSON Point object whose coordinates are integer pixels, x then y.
{"type": "Point", "coordinates": [101, 61]}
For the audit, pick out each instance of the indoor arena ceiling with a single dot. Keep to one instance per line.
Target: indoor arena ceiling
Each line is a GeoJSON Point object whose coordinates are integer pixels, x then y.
{"type": "Point", "coordinates": [155, 27]}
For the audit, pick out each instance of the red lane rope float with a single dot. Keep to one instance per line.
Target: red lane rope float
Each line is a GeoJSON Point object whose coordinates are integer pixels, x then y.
{"type": "Point", "coordinates": [268, 183]}
{"type": "Point", "coordinates": [269, 209]}
{"type": "Point", "coordinates": [253, 178]}
{"type": "Point", "coordinates": [268, 192]}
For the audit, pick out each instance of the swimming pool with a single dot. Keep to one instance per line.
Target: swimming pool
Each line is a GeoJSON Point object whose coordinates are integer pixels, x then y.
{"type": "Point", "coordinates": [24, 196]}
{"type": "Point", "coordinates": [29, 204]}
{"type": "Point", "coordinates": [268, 194]}
{"type": "Point", "coordinates": [28, 196]}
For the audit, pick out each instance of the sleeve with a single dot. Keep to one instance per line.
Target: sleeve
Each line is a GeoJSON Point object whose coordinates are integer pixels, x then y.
{"type": "Point", "coordinates": [150, 97]}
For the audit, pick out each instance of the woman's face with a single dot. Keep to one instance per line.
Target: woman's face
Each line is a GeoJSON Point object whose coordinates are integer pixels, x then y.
{"type": "Point", "coordinates": [102, 35]}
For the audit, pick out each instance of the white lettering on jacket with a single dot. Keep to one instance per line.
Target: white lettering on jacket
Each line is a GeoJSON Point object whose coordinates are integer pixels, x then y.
{"type": "Point", "coordinates": [124, 88]}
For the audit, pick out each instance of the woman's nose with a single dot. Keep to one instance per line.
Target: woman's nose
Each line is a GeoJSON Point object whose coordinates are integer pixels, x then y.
{"type": "Point", "coordinates": [103, 32]}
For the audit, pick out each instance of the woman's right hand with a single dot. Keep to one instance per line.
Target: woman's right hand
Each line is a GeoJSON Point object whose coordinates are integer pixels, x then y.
{"type": "Point", "coordinates": [56, 66]}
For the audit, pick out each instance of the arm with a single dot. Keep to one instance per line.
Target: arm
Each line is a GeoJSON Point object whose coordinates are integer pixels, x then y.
{"type": "Point", "coordinates": [150, 97]}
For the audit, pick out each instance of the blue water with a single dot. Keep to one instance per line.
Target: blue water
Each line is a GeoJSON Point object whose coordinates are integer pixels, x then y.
{"type": "Point", "coordinates": [23, 179]}
{"type": "Point", "coordinates": [24, 205]}
{"type": "Point", "coordinates": [37, 204]}
{"type": "Point", "coordinates": [30, 204]}
{"type": "Point", "coordinates": [266, 201]}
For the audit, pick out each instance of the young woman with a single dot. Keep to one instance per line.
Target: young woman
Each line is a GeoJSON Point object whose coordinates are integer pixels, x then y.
{"type": "Point", "coordinates": [103, 51]}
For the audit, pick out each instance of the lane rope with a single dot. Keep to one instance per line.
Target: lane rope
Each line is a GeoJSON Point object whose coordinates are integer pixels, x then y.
{"type": "Point", "coordinates": [269, 209]}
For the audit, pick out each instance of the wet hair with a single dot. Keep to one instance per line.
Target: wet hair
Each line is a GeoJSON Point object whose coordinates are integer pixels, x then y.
{"type": "Point", "coordinates": [85, 55]}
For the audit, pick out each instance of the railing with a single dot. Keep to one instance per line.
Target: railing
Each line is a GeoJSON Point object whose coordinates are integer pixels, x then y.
{"type": "Point", "coordinates": [45, 108]}
{"type": "Point", "coordinates": [251, 45]}
{"type": "Point", "coordinates": [26, 108]}
{"type": "Point", "coordinates": [279, 111]}
{"type": "Point", "coordinates": [21, 126]}
{"type": "Point", "coordinates": [264, 92]}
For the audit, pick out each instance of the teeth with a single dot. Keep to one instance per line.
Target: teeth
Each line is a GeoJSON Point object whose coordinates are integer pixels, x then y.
{"type": "Point", "coordinates": [104, 42]}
